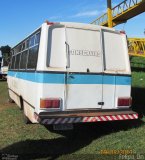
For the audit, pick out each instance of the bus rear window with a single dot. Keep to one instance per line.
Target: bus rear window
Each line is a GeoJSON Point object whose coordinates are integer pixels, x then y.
{"type": "Point", "coordinates": [56, 47]}
{"type": "Point", "coordinates": [114, 51]}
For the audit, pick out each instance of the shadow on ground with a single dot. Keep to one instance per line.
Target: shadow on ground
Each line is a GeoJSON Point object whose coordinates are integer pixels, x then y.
{"type": "Point", "coordinates": [70, 142]}
{"type": "Point", "coordinates": [138, 96]}
{"type": "Point", "coordinates": [137, 69]}
{"type": "Point", "coordinates": [80, 137]}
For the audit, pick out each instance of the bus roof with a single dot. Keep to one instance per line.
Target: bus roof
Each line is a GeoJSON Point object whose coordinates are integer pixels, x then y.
{"type": "Point", "coordinates": [68, 24]}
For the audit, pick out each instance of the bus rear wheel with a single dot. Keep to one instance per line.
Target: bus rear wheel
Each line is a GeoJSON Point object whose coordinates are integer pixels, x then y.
{"type": "Point", "coordinates": [21, 103]}
{"type": "Point", "coordinates": [9, 99]}
{"type": "Point", "coordinates": [26, 119]}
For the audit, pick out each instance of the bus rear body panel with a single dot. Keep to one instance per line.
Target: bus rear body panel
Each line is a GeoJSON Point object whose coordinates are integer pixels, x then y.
{"type": "Point", "coordinates": [79, 69]}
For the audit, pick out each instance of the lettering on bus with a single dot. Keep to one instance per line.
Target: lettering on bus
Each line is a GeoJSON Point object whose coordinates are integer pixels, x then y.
{"type": "Point", "coordinates": [84, 53]}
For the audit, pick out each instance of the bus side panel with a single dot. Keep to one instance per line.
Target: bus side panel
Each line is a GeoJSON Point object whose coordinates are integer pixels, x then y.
{"type": "Point", "coordinates": [34, 86]}
{"type": "Point", "coordinates": [14, 95]}
{"type": "Point", "coordinates": [42, 53]}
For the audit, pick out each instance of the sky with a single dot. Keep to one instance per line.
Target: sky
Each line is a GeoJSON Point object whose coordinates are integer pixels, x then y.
{"type": "Point", "coordinates": [18, 18]}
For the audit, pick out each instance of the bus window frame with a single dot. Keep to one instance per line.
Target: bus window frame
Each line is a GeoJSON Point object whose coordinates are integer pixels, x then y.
{"type": "Point", "coordinates": [26, 40]}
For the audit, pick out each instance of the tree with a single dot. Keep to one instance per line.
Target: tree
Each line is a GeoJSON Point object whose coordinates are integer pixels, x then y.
{"type": "Point", "coordinates": [6, 53]}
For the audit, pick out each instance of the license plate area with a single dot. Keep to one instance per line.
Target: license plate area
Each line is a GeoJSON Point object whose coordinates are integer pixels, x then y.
{"type": "Point", "coordinates": [62, 127]}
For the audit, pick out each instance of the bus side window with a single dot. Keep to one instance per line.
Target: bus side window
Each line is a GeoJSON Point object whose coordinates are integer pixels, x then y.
{"type": "Point", "coordinates": [32, 58]}
{"type": "Point", "coordinates": [15, 50]}
{"type": "Point", "coordinates": [31, 41]}
{"type": "Point", "coordinates": [37, 38]}
{"type": "Point", "coordinates": [19, 48]}
{"type": "Point", "coordinates": [23, 59]}
{"type": "Point", "coordinates": [17, 61]}
{"type": "Point", "coordinates": [10, 63]}
{"type": "Point", "coordinates": [13, 62]}
{"type": "Point", "coordinates": [27, 43]}
{"type": "Point", "coordinates": [23, 46]}
{"type": "Point", "coordinates": [12, 52]}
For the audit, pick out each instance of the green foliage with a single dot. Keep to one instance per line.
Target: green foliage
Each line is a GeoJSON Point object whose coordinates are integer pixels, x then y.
{"type": "Point", "coordinates": [138, 79]}
{"type": "Point", "coordinates": [5, 49]}
{"type": "Point", "coordinates": [86, 141]}
{"type": "Point", "coordinates": [138, 62]}
{"type": "Point", "coordinates": [6, 53]}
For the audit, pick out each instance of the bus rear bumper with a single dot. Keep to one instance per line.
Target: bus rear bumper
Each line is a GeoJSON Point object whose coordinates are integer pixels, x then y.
{"type": "Point", "coordinates": [47, 119]}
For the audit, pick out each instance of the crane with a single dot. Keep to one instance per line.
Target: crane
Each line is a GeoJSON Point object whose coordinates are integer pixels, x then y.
{"type": "Point", "coordinates": [120, 14]}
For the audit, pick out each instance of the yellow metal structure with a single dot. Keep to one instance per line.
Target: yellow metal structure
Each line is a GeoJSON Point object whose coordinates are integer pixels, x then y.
{"type": "Point", "coordinates": [136, 47]}
{"type": "Point", "coordinates": [120, 13]}
{"type": "Point", "coordinates": [109, 13]}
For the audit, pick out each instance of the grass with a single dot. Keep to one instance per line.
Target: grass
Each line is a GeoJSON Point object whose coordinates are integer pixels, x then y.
{"type": "Point", "coordinates": [84, 142]}
{"type": "Point", "coordinates": [138, 72]}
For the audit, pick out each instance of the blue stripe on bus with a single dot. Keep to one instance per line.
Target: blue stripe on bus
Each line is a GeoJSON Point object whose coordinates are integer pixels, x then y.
{"type": "Point", "coordinates": [73, 79]}
{"type": "Point", "coordinates": [39, 77]}
{"type": "Point", "coordinates": [122, 80]}
{"type": "Point", "coordinates": [84, 79]}
{"type": "Point", "coordinates": [118, 80]}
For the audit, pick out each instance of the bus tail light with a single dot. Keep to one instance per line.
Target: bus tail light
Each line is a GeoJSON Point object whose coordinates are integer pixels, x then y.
{"type": "Point", "coordinates": [124, 101]}
{"type": "Point", "coordinates": [50, 103]}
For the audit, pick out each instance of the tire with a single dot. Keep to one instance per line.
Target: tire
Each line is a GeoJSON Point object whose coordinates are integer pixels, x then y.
{"type": "Point", "coordinates": [21, 103]}
{"type": "Point", "coordinates": [9, 99]}
{"type": "Point", "coordinates": [26, 119]}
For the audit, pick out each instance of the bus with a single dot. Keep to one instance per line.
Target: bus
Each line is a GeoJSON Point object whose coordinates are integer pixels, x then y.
{"type": "Point", "coordinates": [0, 60]}
{"type": "Point", "coordinates": [4, 69]}
{"type": "Point", "coordinates": [66, 73]}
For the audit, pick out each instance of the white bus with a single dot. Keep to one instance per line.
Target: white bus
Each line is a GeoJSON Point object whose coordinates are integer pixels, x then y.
{"type": "Point", "coordinates": [4, 69]}
{"type": "Point", "coordinates": [0, 64]}
{"type": "Point", "coordinates": [66, 73]}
